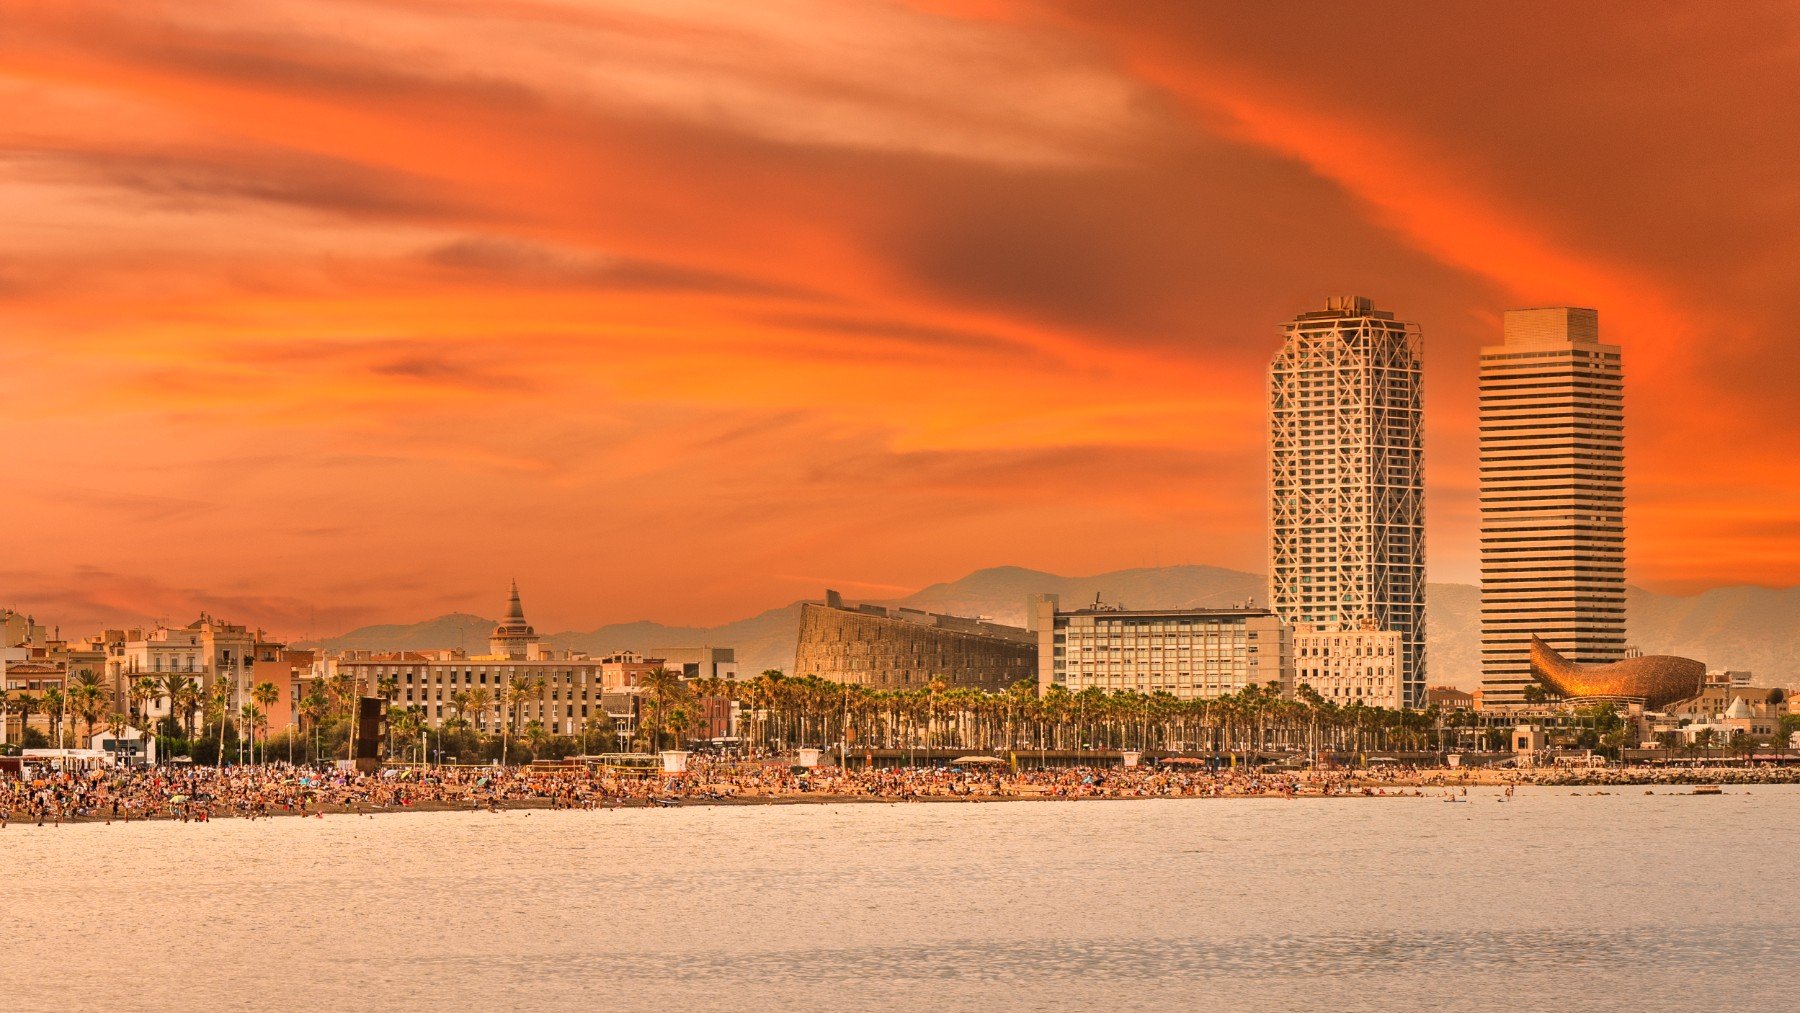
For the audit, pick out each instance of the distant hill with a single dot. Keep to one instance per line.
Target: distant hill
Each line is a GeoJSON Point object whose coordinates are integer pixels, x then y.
{"type": "Point", "coordinates": [1756, 629]}
{"type": "Point", "coordinates": [456, 631]}
{"type": "Point", "coordinates": [1735, 627]}
{"type": "Point", "coordinates": [1000, 592]}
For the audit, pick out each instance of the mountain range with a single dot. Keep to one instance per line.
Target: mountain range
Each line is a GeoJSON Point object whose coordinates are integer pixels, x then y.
{"type": "Point", "coordinates": [1740, 627]}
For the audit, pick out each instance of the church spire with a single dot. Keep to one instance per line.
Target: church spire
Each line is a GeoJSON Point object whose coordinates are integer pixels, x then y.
{"type": "Point", "coordinates": [513, 638]}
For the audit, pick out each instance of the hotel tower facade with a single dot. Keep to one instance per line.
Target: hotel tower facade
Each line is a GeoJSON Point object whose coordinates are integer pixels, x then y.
{"type": "Point", "coordinates": [1552, 497]}
{"type": "Point", "coordinates": [1346, 479]}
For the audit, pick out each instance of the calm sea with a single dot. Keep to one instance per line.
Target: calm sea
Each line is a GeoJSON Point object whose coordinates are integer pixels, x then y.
{"type": "Point", "coordinates": [1549, 901]}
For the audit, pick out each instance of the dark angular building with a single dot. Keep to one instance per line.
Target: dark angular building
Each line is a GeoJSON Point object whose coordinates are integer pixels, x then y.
{"type": "Point", "coordinates": [901, 649]}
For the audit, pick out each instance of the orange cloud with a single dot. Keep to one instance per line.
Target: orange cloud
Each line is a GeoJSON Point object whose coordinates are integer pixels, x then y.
{"type": "Point", "coordinates": [657, 305]}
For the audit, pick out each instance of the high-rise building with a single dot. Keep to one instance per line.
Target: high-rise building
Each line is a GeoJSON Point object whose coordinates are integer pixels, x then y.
{"type": "Point", "coordinates": [1552, 497]}
{"type": "Point", "coordinates": [1346, 476]}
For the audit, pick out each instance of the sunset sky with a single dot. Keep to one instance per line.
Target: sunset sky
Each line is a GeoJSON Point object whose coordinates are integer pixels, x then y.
{"type": "Point", "coordinates": [316, 313]}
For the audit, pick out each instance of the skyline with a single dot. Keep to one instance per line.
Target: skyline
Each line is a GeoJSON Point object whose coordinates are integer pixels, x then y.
{"type": "Point", "coordinates": [683, 311]}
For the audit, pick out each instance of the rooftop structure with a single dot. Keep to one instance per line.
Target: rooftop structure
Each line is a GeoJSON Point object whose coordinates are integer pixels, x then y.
{"type": "Point", "coordinates": [513, 638]}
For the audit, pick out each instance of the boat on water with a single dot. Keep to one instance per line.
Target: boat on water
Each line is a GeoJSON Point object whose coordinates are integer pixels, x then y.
{"type": "Point", "coordinates": [1708, 789]}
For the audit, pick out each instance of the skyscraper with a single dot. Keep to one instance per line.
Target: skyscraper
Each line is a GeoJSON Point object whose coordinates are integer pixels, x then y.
{"type": "Point", "coordinates": [1552, 497]}
{"type": "Point", "coordinates": [1346, 476]}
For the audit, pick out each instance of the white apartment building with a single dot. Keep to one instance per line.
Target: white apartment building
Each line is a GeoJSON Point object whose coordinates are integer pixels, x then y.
{"type": "Point", "coordinates": [1346, 476]}
{"type": "Point", "coordinates": [1189, 653]}
{"type": "Point", "coordinates": [1552, 497]}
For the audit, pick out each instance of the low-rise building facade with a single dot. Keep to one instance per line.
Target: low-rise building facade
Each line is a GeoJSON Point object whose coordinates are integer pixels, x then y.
{"type": "Point", "coordinates": [566, 691]}
{"type": "Point", "coordinates": [1189, 653]}
{"type": "Point", "coordinates": [1350, 665]}
{"type": "Point", "coordinates": [1449, 698]}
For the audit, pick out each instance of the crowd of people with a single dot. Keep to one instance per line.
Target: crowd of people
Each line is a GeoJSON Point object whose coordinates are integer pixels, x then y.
{"type": "Point", "coordinates": [197, 794]}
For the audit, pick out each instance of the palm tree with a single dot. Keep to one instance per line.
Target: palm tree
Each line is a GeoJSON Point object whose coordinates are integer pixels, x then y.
{"type": "Point", "coordinates": [459, 706]}
{"type": "Point", "coordinates": [26, 705]}
{"type": "Point", "coordinates": [184, 698]}
{"type": "Point", "coordinates": [6, 707]}
{"type": "Point", "coordinates": [479, 701]}
{"type": "Point", "coordinates": [765, 692]}
{"type": "Point", "coordinates": [265, 695]}
{"type": "Point", "coordinates": [536, 736]}
{"type": "Point", "coordinates": [512, 696]}
{"type": "Point", "coordinates": [55, 703]}
{"type": "Point", "coordinates": [251, 716]}
{"type": "Point", "coordinates": [314, 707]}
{"type": "Point", "coordinates": [388, 688]}
{"type": "Point", "coordinates": [218, 703]}
{"type": "Point", "coordinates": [599, 726]}
{"type": "Point", "coordinates": [663, 689]}
{"type": "Point", "coordinates": [406, 723]}
{"type": "Point", "coordinates": [676, 721]}
{"type": "Point", "coordinates": [88, 700]}
{"type": "Point", "coordinates": [145, 691]}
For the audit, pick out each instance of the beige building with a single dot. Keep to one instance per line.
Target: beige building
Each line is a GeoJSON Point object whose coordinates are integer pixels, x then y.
{"type": "Point", "coordinates": [1552, 497]}
{"type": "Point", "coordinates": [25, 678]}
{"type": "Point", "coordinates": [1749, 716]}
{"type": "Point", "coordinates": [1449, 698]}
{"type": "Point", "coordinates": [1189, 653]}
{"type": "Point", "coordinates": [699, 662]}
{"type": "Point", "coordinates": [562, 690]}
{"type": "Point", "coordinates": [1716, 698]}
{"type": "Point", "coordinates": [293, 673]}
{"type": "Point", "coordinates": [1349, 666]}
{"type": "Point", "coordinates": [206, 650]}
{"type": "Point", "coordinates": [1346, 476]}
{"type": "Point", "coordinates": [624, 671]}
{"type": "Point", "coordinates": [565, 690]}
{"type": "Point", "coordinates": [20, 630]}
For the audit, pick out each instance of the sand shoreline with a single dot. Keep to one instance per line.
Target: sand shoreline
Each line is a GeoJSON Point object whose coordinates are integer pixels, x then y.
{"type": "Point", "coordinates": [1412, 789]}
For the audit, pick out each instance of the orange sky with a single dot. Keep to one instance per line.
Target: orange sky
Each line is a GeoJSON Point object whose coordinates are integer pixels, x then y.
{"type": "Point", "coordinates": [324, 312]}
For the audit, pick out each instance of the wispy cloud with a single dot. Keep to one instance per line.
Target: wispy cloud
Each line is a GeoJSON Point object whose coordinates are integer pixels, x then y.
{"type": "Point", "coordinates": [693, 295]}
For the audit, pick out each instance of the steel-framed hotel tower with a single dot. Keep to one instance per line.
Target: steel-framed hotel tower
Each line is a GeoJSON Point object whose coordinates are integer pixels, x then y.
{"type": "Point", "coordinates": [1552, 497]}
{"type": "Point", "coordinates": [1347, 478]}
